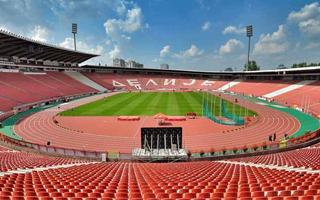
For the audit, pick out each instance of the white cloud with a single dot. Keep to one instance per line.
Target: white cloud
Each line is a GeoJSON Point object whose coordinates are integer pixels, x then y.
{"type": "Point", "coordinates": [311, 26]}
{"type": "Point", "coordinates": [20, 15]}
{"type": "Point", "coordinates": [108, 42]}
{"type": "Point", "coordinates": [307, 19]}
{"type": "Point", "coordinates": [40, 33]}
{"type": "Point", "coordinates": [115, 52]}
{"type": "Point", "coordinates": [126, 37]}
{"type": "Point", "coordinates": [312, 45]}
{"type": "Point", "coordinates": [81, 46]}
{"type": "Point", "coordinates": [234, 30]}
{"type": "Point", "coordinates": [119, 29]}
{"type": "Point", "coordinates": [132, 23]}
{"type": "Point", "coordinates": [274, 43]}
{"type": "Point", "coordinates": [105, 57]}
{"type": "Point", "coordinates": [193, 51]}
{"type": "Point", "coordinates": [231, 46]}
{"type": "Point", "coordinates": [121, 8]}
{"type": "Point", "coordinates": [165, 51]}
{"type": "Point", "coordinates": [307, 12]}
{"type": "Point", "coordinates": [206, 26]}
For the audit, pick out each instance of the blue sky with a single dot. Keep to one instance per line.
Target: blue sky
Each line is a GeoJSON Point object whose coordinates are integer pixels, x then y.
{"type": "Point", "coordinates": [186, 34]}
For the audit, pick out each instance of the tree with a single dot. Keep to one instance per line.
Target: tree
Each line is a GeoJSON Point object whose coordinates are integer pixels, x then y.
{"type": "Point", "coordinates": [252, 66]}
{"type": "Point", "coordinates": [228, 69]}
{"type": "Point", "coordinates": [295, 65]}
{"type": "Point", "coordinates": [281, 66]}
{"type": "Point", "coordinates": [313, 64]}
{"type": "Point", "coordinates": [303, 64]}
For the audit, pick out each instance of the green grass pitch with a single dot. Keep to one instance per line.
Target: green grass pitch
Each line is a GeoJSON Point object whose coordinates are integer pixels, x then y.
{"type": "Point", "coordinates": [151, 103]}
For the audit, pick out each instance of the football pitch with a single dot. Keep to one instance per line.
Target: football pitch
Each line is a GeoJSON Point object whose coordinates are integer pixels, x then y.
{"type": "Point", "coordinates": [151, 103]}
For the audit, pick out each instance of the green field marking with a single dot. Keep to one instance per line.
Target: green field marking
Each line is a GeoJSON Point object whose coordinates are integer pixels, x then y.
{"type": "Point", "coordinates": [150, 103]}
{"type": "Point", "coordinates": [190, 104]}
{"type": "Point", "coordinates": [161, 107]}
{"type": "Point", "coordinates": [153, 105]}
{"type": "Point", "coordinates": [173, 106]}
{"type": "Point", "coordinates": [142, 104]}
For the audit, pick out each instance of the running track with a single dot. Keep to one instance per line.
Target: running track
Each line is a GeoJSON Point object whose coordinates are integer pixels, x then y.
{"type": "Point", "coordinates": [40, 128]}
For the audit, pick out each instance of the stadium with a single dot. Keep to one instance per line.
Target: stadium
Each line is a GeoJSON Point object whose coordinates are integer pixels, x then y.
{"type": "Point", "coordinates": [72, 131]}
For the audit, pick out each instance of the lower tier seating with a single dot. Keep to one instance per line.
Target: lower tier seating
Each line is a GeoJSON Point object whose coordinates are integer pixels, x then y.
{"type": "Point", "coordinates": [308, 158]}
{"type": "Point", "coordinates": [20, 160]}
{"type": "Point", "coordinates": [3, 148]}
{"type": "Point", "coordinates": [194, 180]}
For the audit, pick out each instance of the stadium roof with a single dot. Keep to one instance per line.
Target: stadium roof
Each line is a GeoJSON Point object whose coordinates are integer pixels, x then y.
{"type": "Point", "coordinates": [292, 71]}
{"type": "Point", "coordinates": [21, 47]}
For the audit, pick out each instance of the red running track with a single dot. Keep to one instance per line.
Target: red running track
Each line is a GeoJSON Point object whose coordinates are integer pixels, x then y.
{"type": "Point", "coordinates": [40, 128]}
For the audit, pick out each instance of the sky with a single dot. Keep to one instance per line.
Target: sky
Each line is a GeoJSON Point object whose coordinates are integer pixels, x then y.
{"type": "Point", "coordinates": [186, 34]}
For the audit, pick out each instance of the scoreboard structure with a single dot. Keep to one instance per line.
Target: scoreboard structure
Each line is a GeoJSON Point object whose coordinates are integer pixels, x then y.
{"type": "Point", "coordinates": [160, 144]}
{"type": "Point", "coordinates": [156, 138]}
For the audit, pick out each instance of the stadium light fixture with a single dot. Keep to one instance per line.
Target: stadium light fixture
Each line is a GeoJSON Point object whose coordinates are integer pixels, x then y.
{"type": "Point", "coordinates": [74, 31]}
{"type": "Point", "coordinates": [249, 35]}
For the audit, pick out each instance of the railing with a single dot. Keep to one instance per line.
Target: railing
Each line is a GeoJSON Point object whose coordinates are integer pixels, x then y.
{"type": "Point", "coordinates": [47, 149]}
{"type": "Point", "coordinates": [27, 106]}
{"type": "Point", "coordinates": [6, 115]}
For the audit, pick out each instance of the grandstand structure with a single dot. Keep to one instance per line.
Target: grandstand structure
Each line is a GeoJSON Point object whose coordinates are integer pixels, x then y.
{"type": "Point", "coordinates": [45, 156]}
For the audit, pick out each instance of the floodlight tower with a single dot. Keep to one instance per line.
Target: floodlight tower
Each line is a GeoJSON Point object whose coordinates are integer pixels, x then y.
{"type": "Point", "coordinates": [74, 31]}
{"type": "Point", "coordinates": [249, 35]}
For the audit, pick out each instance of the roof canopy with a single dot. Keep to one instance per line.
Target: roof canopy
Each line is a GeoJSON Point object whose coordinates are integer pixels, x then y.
{"type": "Point", "coordinates": [21, 47]}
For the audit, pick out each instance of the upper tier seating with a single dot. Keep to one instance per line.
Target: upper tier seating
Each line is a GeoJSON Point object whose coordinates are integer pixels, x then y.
{"type": "Point", "coordinates": [153, 82]}
{"type": "Point", "coordinates": [259, 87]}
{"type": "Point", "coordinates": [195, 180]}
{"type": "Point", "coordinates": [308, 96]}
{"type": "Point", "coordinates": [249, 87]}
{"type": "Point", "coordinates": [18, 88]}
{"type": "Point", "coordinates": [13, 160]}
{"type": "Point", "coordinates": [308, 158]}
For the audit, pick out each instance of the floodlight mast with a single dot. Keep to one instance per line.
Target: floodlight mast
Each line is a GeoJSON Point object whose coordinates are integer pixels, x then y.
{"type": "Point", "coordinates": [249, 35]}
{"type": "Point", "coordinates": [74, 31]}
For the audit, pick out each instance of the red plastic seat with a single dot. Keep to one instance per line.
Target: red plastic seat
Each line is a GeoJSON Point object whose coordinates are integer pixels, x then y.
{"type": "Point", "coordinates": [258, 194]}
{"type": "Point", "coordinates": [291, 198]}
{"type": "Point", "coordinates": [175, 195]}
{"type": "Point", "coordinates": [188, 195]}
{"type": "Point", "coordinates": [272, 193]}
